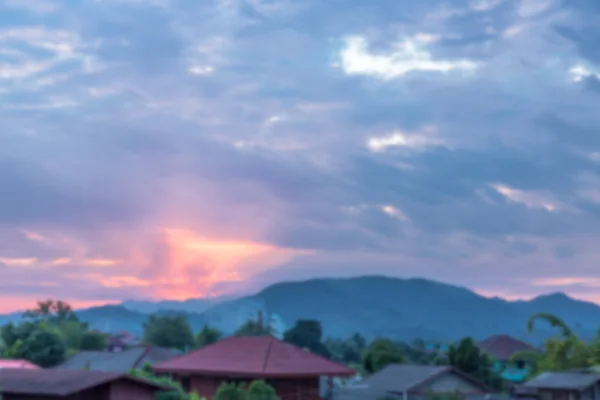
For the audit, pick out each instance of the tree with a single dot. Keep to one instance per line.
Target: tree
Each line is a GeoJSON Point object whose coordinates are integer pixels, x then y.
{"type": "Point", "coordinates": [307, 334]}
{"type": "Point", "coordinates": [379, 354]}
{"type": "Point", "coordinates": [230, 391]}
{"type": "Point", "coordinates": [255, 327]}
{"type": "Point", "coordinates": [71, 331]}
{"type": "Point", "coordinates": [260, 390]}
{"type": "Point", "coordinates": [93, 341]}
{"type": "Point", "coordinates": [43, 347]}
{"type": "Point", "coordinates": [344, 351]}
{"type": "Point", "coordinates": [418, 353]}
{"type": "Point", "coordinates": [35, 342]}
{"type": "Point", "coordinates": [553, 320]}
{"type": "Point", "coordinates": [169, 331]}
{"type": "Point", "coordinates": [560, 353]}
{"type": "Point", "coordinates": [51, 311]}
{"type": "Point", "coordinates": [467, 357]}
{"type": "Point", "coordinates": [207, 336]}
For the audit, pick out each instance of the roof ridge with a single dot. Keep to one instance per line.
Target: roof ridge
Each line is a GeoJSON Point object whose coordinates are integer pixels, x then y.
{"type": "Point", "coordinates": [267, 354]}
{"type": "Point", "coordinates": [186, 355]}
{"type": "Point", "coordinates": [141, 357]}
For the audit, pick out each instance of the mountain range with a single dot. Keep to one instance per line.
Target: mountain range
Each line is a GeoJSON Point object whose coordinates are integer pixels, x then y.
{"type": "Point", "coordinates": [372, 305]}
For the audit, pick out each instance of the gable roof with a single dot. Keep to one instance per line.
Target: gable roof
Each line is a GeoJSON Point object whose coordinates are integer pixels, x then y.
{"type": "Point", "coordinates": [118, 361]}
{"type": "Point", "coordinates": [57, 382]}
{"type": "Point", "coordinates": [563, 380]}
{"type": "Point", "coordinates": [503, 347]}
{"type": "Point", "coordinates": [17, 364]}
{"type": "Point", "coordinates": [401, 378]}
{"type": "Point", "coordinates": [259, 356]}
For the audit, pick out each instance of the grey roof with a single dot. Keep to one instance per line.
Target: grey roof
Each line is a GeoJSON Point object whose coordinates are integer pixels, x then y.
{"type": "Point", "coordinates": [564, 380]}
{"type": "Point", "coordinates": [402, 377]}
{"type": "Point", "coordinates": [399, 378]}
{"type": "Point", "coordinates": [120, 361]}
{"type": "Point", "coordinates": [360, 393]}
{"type": "Point", "coordinates": [58, 383]}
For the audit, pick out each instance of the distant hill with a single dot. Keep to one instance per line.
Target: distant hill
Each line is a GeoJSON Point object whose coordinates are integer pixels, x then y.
{"type": "Point", "coordinates": [190, 305]}
{"type": "Point", "coordinates": [405, 309]}
{"type": "Point", "coordinates": [373, 305]}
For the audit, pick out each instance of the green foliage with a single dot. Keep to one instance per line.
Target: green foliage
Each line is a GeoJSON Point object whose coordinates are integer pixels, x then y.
{"type": "Point", "coordinates": [171, 395]}
{"type": "Point", "coordinates": [348, 351]}
{"type": "Point", "coordinates": [51, 311]}
{"type": "Point", "coordinates": [169, 331]}
{"type": "Point", "coordinates": [230, 391]}
{"type": "Point", "coordinates": [161, 380]}
{"type": "Point", "coordinates": [35, 342]}
{"type": "Point", "coordinates": [255, 327]}
{"type": "Point", "coordinates": [260, 390]}
{"type": "Point", "coordinates": [553, 320]}
{"type": "Point", "coordinates": [560, 353]}
{"type": "Point", "coordinates": [93, 341]}
{"type": "Point", "coordinates": [417, 352]}
{"type": "Point", "coordinates": [71, 331]}
{"type": "Point", "coordinates": [207, 336]}
{"type": "Point", "coordinates": [54, 316]}
{"type": "Point", "coordinates": [467, 357]}
{"type": "Point", "coordinates": [379, 354]}
{"type": "Point", "coordinates": [446, 396]}
{"type": "Point", "coordinates": [307, 334]}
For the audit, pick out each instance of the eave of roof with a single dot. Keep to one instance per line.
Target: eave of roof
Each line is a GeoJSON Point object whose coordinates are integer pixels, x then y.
{"type": "Point", "coordinates": [240, 374]}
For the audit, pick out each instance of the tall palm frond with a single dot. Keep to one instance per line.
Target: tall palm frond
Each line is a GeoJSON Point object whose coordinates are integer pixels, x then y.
{"type": "Point", "coordinates": [553, 320]}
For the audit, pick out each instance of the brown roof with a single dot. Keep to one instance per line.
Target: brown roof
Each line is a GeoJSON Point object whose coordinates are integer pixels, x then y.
{"type": "Point", "coordinates": [261, 356]}
{"type": "Point", "coordinates": [400, 378]}
{"type": "Point", "coordinates": [503, 347]}
{"type": "Point", "coordinates": [59, 382]}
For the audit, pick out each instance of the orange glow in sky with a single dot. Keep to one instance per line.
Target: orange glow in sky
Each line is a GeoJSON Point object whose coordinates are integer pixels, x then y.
{"type": "Point", "coordinates": [197, 263]}
{"type": "Point", "coordinates": [182, 264]}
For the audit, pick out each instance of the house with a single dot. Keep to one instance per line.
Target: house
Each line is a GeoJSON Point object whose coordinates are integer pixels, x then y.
{"type": "Point", "coordinates": [121, 341]}
{"type": "Point", "coordinates": [117, 361]}
{"type": "Point", "coordinates": [16, 364]}
{"type": "Point", "coordinates": [294, 373]}
{"type": "Point", "coordinates": [501, 348]}
{"type": "Point", "coordinates": [561, 386]}
{"type": "Point", "coordinates": [53, 384]}
{"type": "Point", "coordinates": [412, 382]}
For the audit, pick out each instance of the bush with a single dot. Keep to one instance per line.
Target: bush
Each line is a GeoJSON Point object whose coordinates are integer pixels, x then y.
{"type": "Point", "coordinates": [260, 390]}
{"type": "Point", "coordinates": [230, 391]}
{"type": "Point", "coordinates": [173, 395]}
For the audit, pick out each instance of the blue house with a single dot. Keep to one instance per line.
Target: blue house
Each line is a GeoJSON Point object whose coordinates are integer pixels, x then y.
{"type": "Point", "coordinates": [502, 348]}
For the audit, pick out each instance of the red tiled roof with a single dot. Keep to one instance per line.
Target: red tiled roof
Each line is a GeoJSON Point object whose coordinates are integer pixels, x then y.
{"type": "Point", "coordinates": [17, 364]}
{"type": "Point", "coordinates": [59, 382]}
{"type": "Point", "coordinates": [503, 347]}
{"type": "Point", "coordinates": [260, 357]}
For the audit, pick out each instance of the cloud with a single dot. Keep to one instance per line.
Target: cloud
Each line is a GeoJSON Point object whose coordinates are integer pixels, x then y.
{"type": "Point", "coordinates": [147, 154]}
{"type": "Point", "coordinates": [405, 58]}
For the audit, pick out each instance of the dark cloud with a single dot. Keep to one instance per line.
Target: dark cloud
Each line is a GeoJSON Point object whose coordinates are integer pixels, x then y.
{"type": "Point", "coordinates": [241, 122]}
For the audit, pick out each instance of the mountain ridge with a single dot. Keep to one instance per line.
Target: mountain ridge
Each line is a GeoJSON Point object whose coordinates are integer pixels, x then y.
{"type": "Point", "coordinates": [373, 305]}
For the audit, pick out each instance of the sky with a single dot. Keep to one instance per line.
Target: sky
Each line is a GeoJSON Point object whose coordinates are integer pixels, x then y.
{"type": "Point", "coordinates": [168, 149]}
